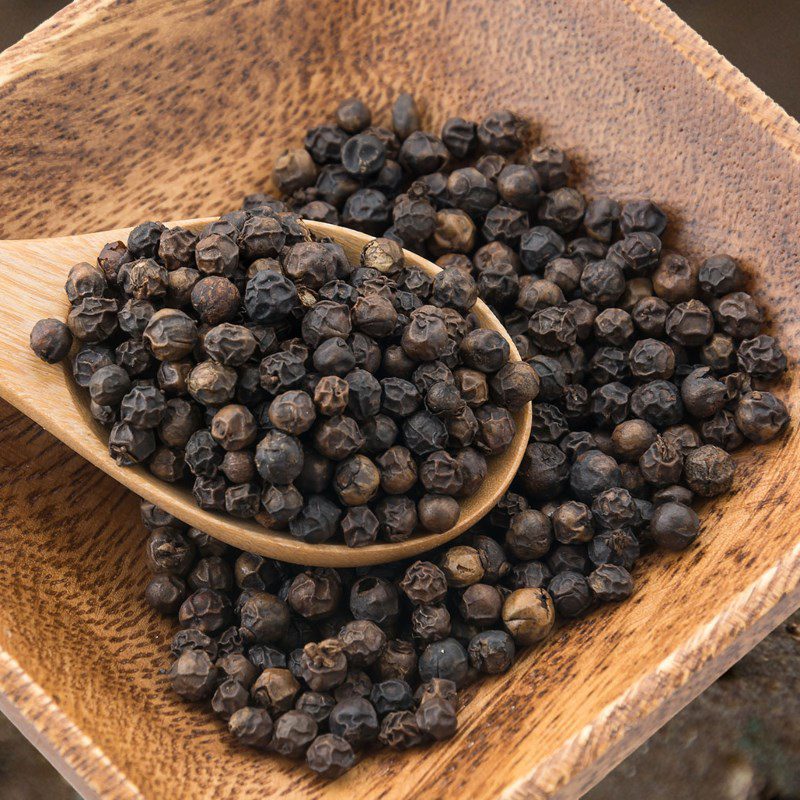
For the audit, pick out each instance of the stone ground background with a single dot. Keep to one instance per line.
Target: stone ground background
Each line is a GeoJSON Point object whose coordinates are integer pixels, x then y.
{"type": "Point", "coordinates": [740, 740]}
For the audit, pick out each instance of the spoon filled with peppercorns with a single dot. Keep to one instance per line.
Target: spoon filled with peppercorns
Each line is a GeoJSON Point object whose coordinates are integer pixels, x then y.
{"type": "Point", "coordinates": [299, 390]}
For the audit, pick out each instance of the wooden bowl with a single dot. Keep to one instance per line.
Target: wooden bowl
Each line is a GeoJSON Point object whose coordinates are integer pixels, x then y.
{"type": "Point", "coordinates": [114, 113]}
{"type": "Point", "coordinates": [32, 275]}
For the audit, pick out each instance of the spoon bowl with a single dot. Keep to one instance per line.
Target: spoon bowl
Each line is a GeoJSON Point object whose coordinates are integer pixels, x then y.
{"type": "Point", "coordinates": [32, 276]}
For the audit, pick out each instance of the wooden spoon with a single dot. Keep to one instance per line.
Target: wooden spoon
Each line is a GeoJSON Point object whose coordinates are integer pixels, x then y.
{"type": "Point", "coordinates": [32, 275]}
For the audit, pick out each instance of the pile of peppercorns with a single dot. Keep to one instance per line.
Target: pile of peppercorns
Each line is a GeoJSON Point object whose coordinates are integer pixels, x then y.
{"type": "Point", "coordinates": [256, 375]}
{"type": "Point", "coordinates": [650, 370]}
{"type": "Point", "coordinates": [321, 663]}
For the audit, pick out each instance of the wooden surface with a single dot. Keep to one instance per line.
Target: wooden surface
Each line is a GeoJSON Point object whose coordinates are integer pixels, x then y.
{"type": "Point", "coordinates": [111, 97]}
{"type": "Point", "coordinates": [32, 275]}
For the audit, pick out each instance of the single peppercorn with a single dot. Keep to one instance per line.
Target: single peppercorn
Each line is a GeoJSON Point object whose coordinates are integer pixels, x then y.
{"type": "Point", "coordinates": [529, 615]}
{"type": "Point", "coordinates": [330, 756]}
{"type": "Point", "coordinates": [708, 470]}
{"type": "Point", "coordinates": [610, 583]}
{"type": "Point", "coordinates": [529, 535]}
{"type": "Point", "coordinates": [275, 690]}
{"type": "Point", "coordinates": [193, 675]}
{"type": "Point", "coordinates": [674, 526]}
{"type": "Point", "coordinates": [252, 727]}
{"type": "Point", "coordinates": [761, 416]}
{"type": "Point", "coordinates": [720, 275]}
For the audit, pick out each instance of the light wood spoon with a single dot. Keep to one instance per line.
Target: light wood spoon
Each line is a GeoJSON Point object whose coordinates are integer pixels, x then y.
{"type": "Point", "coordinates": [32, 276]}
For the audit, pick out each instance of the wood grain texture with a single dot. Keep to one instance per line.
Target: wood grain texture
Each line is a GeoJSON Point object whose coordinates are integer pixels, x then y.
{"type": "Point", "coordinates": [202, 96]}
{"type": "Point", "coordinates": [32, 275]}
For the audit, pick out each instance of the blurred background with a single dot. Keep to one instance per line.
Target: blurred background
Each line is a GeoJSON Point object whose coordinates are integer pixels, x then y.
{"type": "Point", "coordinates": [740, 740]}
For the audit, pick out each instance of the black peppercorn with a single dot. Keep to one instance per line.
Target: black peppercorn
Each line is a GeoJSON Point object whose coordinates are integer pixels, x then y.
{"type": "Point", "coordinates": [51, 340]}
{"type": "Point", "coordinates": [602, 283]}
{"type": "Point", "coordinates": [352, 115]}
{"type": "Point", "coordinates": [610, 583]}
{"type": "Point", "coordinates": [359, 526]}
{"type": "Point", "coordinates": [529, 535]}
{"type": "Point", "coordinates": [330, 756]}
{"type": "Point", "coordinates": [551, 164]}
{"type": "Point", "coordinates": [571, 593]}
{"type": "Point", "coordinates": [708, 470]}
{"type": "Point", "coordinates": [761, 416]}
{"type": "Point", "coordinates": [658, 402]}
{"type": "Point", "coordinates": [112, 257]}
{"type": "Point", "coordinates": [446, 659]}
{"type": "Point", "coordinates": [662, 463]}
{"type": "Point", "coordinates": [720, 275]}
{"type": "Point", "coordinates": [690, 323]}
{"type": "Point", "coordinates": [674, 526]}
{"type": "Point", "coordinates": [165, 593]}
{"type": "Point", "coordinates": [93, 319]}
{"type": "Point", "coordinates": [422, 153]}
{"type": "Point", "coordinates": [529, 615]}
{"type": "Point", "coordinates": [592, 473]}
{"type": "Point", "coordinates": [501, 131]}
{"type": "Point", "coordinates": [294, 731]}
{"type": "Point", "coordinates": [438, 513]}
{"type": "Point", "coordinates": [193, 675]}
{"type": "Point", "coordinates": [275, 690]}
{"type": "Point", "coordinates": [252, 727]}
{"type": "Point", "coordinates": [761, 357]}
{"type": "Point", "coordinates": [642, 215]}
{"type": "Point", "coordinates": [737, 315]}
{"type": "Point", "coordinates": [355, 720]}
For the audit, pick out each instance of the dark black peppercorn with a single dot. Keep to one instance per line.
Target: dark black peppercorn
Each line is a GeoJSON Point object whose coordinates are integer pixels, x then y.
{"type": "Point", "coordinates": [720, 275]}
{"type": "Point", "coordinates": [294, 731]}
{"type": "Point", "coordinates": [658, 402]}
{"type": "Point", "coordinates": [708, 470]}
{"type": "Point", "coordinates": [422, 153]}
{"type": "Point", "coordinates": [619, 546]}
{"type": "Point", "coordinates": [674, 526]}
{"type": "Point", "coordinates": [431, 623]}
{"type": "Point", "coordinates": [703, 395]}
{"type": "Point", "coordinates": [193, 675]}
{"type": "Point", "coordinates": [330, 756]}
{"type": "Point", "coordinates": [642, 215]}
{"type": "Point", "coordinates": [51, 340]}
{"type": "Point", "coordinates": [93, 319]}
{"type": "Point", "coordinates": [738, 315]}
{"type": "Point", "coordinates": [761, 416]}
{"type": "Point", "coordinates": [144, 239]}
{"type": "Point", "coordinates": [501, 131]}
{"type": "Point", "coordinates": [551, 164]}
{"type": "Point", "coordinates": [374, 599]}
{"type": "Point", "coordinates": [165, 593]}
{"type": "Point", "coordinates": [662, 463]}
{"type": "Point", "coordinates": [602, 283]}
{"type": "Point", "coordinates": [352, 115]}
{"type": "Point", "coordinates": [690, 323]}
{"type": "Point", "coordinates": [571, 593]}
{"type": "Point", "coordinates": [317, 705]}
{"type": "Point", "coordinates": [761, 357]}
{"type": "Point", "coordinates": [359, 526]}
{"type": "Point", "coordinates": [252, 727]}
{"type": "Point", "coordinates": [610, 583]}
{"type": "Point", "coordinates": [592, 473]}
{"type": "Point", "coordinates": [445, 659]}
{"type": "Point", "coordinates": [355, 720]}
{"type": "Point", "coordinates": [317, 522]}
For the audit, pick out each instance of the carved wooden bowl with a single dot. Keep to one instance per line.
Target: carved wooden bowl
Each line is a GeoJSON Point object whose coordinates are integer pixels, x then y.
{"type": "Point", "coordinates": [169, 109]}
